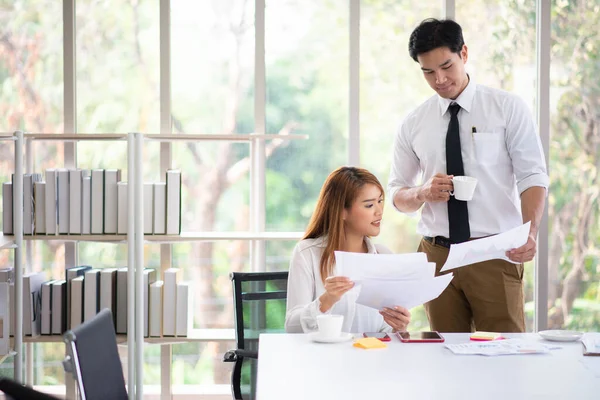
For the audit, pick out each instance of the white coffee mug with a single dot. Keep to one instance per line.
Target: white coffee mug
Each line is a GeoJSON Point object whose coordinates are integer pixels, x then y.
{"type": "Point", "coordinates": [464, 187]}
{"type": "Point", "coordinates": [330, 326]}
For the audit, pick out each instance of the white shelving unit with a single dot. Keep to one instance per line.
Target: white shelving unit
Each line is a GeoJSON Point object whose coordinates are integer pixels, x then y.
{"type": "Point", "coordinates": [135, 240]}
{"type": "Point", "coordinates": [184, 237]}
{"type": "Point", "coordinates": [253, 139]}
{"type": "Point", "coordinates": [195, 335]}
{"type": "Point", "coordinates": [16, 242]}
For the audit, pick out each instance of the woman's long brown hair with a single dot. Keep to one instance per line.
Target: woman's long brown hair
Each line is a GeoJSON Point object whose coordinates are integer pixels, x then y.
{"type": "Point", "coordinates": [338, 193]}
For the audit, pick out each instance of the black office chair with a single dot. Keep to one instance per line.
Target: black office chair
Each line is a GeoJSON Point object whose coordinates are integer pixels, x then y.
{"type": "Point", "coordinates": [93, 359]}
{"type": "Point", "coordinates": [15, 391]}
{"type": "Point", "coordinates": [260, 303]}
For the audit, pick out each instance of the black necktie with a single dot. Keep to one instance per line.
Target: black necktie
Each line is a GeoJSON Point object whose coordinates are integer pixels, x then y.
{"type": "Point", "coordinates": [458, 215]}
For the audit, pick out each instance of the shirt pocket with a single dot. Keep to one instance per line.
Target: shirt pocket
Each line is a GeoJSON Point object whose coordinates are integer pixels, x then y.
{"type": "Point", "coordinates": [490, 148]}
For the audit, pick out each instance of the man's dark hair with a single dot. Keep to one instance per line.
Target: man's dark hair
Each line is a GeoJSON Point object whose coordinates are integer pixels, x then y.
{"type": "Point", "coordinates": [433, 33]}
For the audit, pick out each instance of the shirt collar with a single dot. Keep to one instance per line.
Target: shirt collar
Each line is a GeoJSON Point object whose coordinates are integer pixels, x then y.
{"type": "Point", "coordinates": [370, 246]}
{"type": "Point", "coordinates": [464, 100]}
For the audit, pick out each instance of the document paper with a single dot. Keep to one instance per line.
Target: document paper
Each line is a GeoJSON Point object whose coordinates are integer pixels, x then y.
{"type": "Point", "coordinates": [489, 248]}
{"type": "Point", "coordinates": [388, 280]}
{"type": "Point", "coordinates": [406, 293]}
{"type": "Point", "coordinates": [500, 347]}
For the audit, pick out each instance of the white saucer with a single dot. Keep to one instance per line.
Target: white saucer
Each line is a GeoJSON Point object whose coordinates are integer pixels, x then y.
{"type": "Point", "coordinates": [316, 337]}
{"type": "Point", "coordinates": [561, 335]}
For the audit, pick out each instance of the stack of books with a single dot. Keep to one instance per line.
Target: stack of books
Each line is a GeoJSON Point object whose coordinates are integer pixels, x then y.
{"type": "Point", "coordinates": [84, 202]}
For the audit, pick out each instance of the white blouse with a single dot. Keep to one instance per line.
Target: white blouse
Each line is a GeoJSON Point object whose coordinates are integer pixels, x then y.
{"type": "Point", "coordinates": [305, 286]}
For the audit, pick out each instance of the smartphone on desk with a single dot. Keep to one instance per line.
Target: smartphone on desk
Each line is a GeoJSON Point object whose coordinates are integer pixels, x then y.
{"type": "Point", "coordinates": [384, 337]}
{"type": "Point", "coordinates": [420, 337]}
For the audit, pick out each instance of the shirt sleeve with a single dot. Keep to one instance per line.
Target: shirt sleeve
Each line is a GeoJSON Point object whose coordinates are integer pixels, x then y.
{"type": "Point", "coordinates": [525, 148]}
{"type": "Point", "coordinates": [405, 169]}
{"type": "Point", "coordinates": [302, 306]}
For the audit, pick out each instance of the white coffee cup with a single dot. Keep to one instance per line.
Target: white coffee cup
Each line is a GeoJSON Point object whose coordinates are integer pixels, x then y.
{"type": "Point", "coordinates": [464, 187]}
{"type": "Point", "coordinates": [330, 326]}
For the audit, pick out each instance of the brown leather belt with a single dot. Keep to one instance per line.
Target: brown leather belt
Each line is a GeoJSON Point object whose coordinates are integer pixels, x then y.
{"type": "Point", "coordinates": [439, 240]}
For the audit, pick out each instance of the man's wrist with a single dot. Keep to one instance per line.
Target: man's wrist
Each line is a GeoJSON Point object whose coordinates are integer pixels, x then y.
{"type": "Point", "coordinates": [419, 194]}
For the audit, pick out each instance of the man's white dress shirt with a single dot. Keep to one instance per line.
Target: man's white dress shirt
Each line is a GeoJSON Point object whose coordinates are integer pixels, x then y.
{"type": "Point", "coordinates": [305, 286]}
{"type": "Point", "coordinates": [504, 154]}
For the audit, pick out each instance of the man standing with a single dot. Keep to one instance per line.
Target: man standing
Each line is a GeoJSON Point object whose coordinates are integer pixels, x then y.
{"type": "Point", "coordinates": [473, 130]}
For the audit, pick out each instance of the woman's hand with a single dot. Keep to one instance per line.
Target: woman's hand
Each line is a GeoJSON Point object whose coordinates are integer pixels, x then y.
{"type": "Point", "coordinates": [397, 317]}
{"type": "Point", "coordinates": [335, 288]}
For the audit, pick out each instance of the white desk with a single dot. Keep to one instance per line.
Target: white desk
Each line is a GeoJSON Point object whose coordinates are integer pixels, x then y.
{"type": "Point", "coordinates": [292, 367]}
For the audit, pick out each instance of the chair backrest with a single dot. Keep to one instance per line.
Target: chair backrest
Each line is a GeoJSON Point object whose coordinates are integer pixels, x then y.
{"type": "Point", "coordinates": [15, 391]}
{"type": "Point", "coordinates": [260, 305]}
{"type": "Point", "coordinates": [95, 360]}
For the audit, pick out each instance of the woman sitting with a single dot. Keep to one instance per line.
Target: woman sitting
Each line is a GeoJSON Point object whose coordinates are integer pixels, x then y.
{"type": "Point", "coordinates": [347, 214]}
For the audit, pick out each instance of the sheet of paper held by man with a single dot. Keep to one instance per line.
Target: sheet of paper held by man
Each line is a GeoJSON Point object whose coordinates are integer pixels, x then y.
{"type": "Point", "coordinates": [387, 280]}
{"type": "Point", "coordinates": [488, 248]}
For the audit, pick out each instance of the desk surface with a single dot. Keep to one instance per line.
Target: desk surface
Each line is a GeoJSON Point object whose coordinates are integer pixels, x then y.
{"type": "Point", "coordinates": [292, 367]}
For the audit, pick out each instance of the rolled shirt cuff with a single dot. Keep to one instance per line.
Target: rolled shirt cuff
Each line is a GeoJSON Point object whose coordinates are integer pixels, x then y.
{"type": "Point", "coordinates": [540, 180]}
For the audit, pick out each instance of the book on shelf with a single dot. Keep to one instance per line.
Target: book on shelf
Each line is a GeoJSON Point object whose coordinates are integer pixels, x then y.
{"type": "Point", "coordinates": [72, 273]}
{"type": "Point", "coordinates": [59, 307]}
{"type": "Point", "coordinates": [149, 279]}
{"type": "Point", "coordinates": [32, 286]}
{"type": "Point", "coordinates": [108, 291]}
{"type": "Point", "coordinates": [75, 192]}
{"type": "Point", "coordinates": [173, 202]}
{"type": "Point", "coordinates": [97, 202]}
{"type": "Point", "coordinates": [39, 194]}
{"type": "Point", "coordinates": [47, 308]}
{"type": "Point", "coordinates": [63, 197]}
{"type": "Point", "coordinates": [122, 300]}
{"type": "Point", "coordinates": [155, 309]}
{"type": "Point", "coordinates": [171, 278]}
{"type": "Point", "coordinates": [111, 179]}
{"type": "Point", "coordinates": [91, 293]}
{"type": "Point", "coordinates": [7, 274]}
{"type": "Point", "coordinates": [160, 208]}
{"type": "Point", "coordinates": [86, 205]}
{"type": "Point", "coordinates": [122, 212]}
{"type": "Point", "coordinates": [184, 316]}
{"type": "Point", "coordinates": [77, 301]}
{"type": "Point", "coordinates": [7, 208]}
{"type": "Point", "coordinates": [29, 202]}
{"type": "Point", "coordinates": [51, 201]}
{"type": "Point", "coordinates": [148, 208]}
{"type": "Point", "coordinates": [5, 313]}
{"type": "Point", "coordinates": [11, 301]}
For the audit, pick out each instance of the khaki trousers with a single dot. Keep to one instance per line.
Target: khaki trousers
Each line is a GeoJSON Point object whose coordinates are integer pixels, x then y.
{"type": "Point", "coordinates": [486, 296]}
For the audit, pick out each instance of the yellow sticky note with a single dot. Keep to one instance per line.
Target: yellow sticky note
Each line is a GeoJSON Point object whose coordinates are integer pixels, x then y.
{"type": "Point", "coordinates": [483, 336]}
{"type": "Point", "coordinates": [369, 343]}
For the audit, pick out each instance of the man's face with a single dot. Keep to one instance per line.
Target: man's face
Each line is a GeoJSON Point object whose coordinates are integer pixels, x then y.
{"type": "Point", "coordinates": [445, 71]}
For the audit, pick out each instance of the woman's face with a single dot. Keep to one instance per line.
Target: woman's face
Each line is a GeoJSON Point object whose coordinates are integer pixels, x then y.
{"type": "Point", "coordinates": [364, 217]}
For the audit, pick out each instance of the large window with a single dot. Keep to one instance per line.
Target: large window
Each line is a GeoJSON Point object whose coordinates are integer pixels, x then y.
{"type": "Point", "coordinates": [31, 98]}
{"type": "Point", "coordinates": [306, 56]}
{"type": "Point", "coordinates": [391, 85]}
{"type": "Point", "coordinates": [574, 219]}
{"type": "Point", "coordinates": [500, 36]}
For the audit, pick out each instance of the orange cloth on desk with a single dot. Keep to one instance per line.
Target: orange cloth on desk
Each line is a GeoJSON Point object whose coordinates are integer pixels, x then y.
{"type": "Point", "coordinates": [369, 343]}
